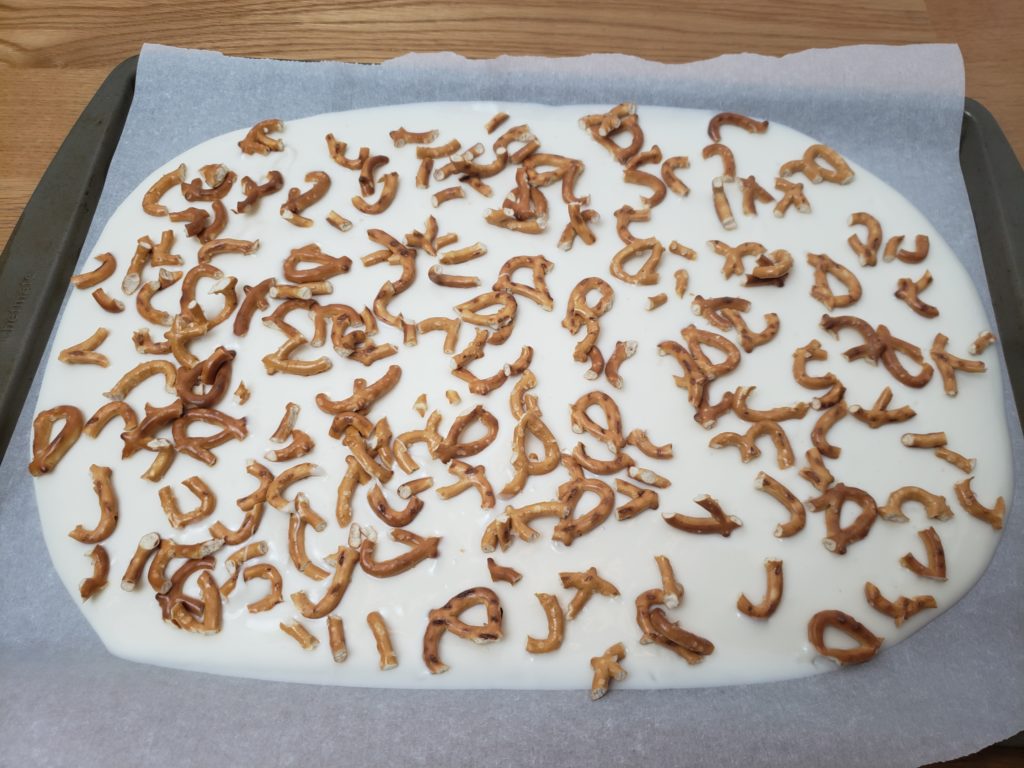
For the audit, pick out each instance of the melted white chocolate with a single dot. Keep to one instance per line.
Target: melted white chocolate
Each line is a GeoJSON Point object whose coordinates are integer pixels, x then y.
{"type": "Point", "coordinates": [713, 570]}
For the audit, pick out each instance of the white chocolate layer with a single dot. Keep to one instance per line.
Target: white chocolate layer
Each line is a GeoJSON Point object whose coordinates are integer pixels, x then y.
{"type": "Point", "coordinates": [713, 570]}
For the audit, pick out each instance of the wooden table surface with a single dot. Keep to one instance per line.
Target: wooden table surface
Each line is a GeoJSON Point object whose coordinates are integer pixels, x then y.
{"type": "Point", "coordinates": [54, 55]}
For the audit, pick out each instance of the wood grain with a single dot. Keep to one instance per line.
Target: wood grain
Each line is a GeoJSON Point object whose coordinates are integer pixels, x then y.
{"type": "Point", "coordinates": [55, 53]}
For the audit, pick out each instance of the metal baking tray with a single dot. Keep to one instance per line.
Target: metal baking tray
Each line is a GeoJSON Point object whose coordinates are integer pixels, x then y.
{"type": "Point", "coordinates": [41, 254]}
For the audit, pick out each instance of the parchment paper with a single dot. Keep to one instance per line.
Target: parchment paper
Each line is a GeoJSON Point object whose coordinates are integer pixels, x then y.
{"type": "Point", "coordinates": [953, 688]}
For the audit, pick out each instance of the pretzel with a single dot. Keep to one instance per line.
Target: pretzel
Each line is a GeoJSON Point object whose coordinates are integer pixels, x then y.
{"type": "Point", "coordinates": [693, 380]}
{"type": "Point", "coordinates": [139, 437]}
{"type": "Point", "coordinates": [569, 527]}
{"type": "Point", "coordinates": [657, 628]}
{"type": "Point", "coordinates": [639, 439]}
{"type": "Point", "coordinates": [772, 597]}
{"type": "Point", "coordinates": [721, 202]}
{"type": "Point", "coordinates": [258, 141]}
{"type": "Point", "coordinates": [747, 444]}
{"type": "Point", "coordinates": [629, 124]}
{"type": "Point", "coordinates": [163, 185]}
{"type": "Point", "coordinates": [146, 293]}
{"type": "Point", "coordinates": [496, 534]}
{"type": "Point", "coordinates": [462, 255]}
{"type": "Point", "coordinates": [361, 399]}
{"type": "Point", "coordinates": [936, 568]}
{"type": "Point", "coordinates": [753, 193]}
{"type": "Point", "coordinates": [880, 414]}
{"type": "Point", "coordinates": [792, 196]}
{"type": "Point", "coordinates": [219, 178]}
{"type": "Point", "coordinates": [199, 447]}
{"type": "Point", "coordinates": [890, 347]}
{"type": "Point", "coordinates": [450, 447]}
{"type": "Point", "coordinates": [469, 310]}
{"type": "Point", "coordinates": [92, 278]}
{"type": "Point", "coordinates": [825, 422]}
{"type": "Point", "coordinates": [712, 309]}
{"type": "Point", "coordinates": [623, 351]}
{"type": "Point", "coordinates": [948, 364]}
{"type": "Point", "coordinates": [99, 420]}
{"type": "Point", "coordinates": [538, 292]}
{"type": "Point", "coordinates": [831, 501]}
{"type": "Point", "coordinates": [47, 452]}
{"type": "Point", "coordinates": [734, 255]}
{"type": "Point", "coordinates": [556, 626]}
{"type": "Point", "coordinates": [297, 524]}
{"type": "Point", "coordinates": [625, 216]}
{"type": "Point", "coordinates": [668, 174]}
{"type": "Point", "coordinates": [797, 513]}
{"type": "Point", "coordinates": [147, 545]}
{"type": "Point", "coordinates": [351, 479]}
{"type": "Point", "coordinates": [717, 521]}
{"type": "Point", "coordinates": [306, 640]}
{"type": "Point", "coordinates": [389, 189]}
{"type": "Point", "coordinates": [992, 515]}
{"type": "Point", "coordinates": [446, 619]}
{"type": "Point", "coordinates": [916, 256]}
{"type": "Point", "coordinates": [823, 267]}
{"type": "Point", "coordinates": [816, 473]}
{"type": "Point", "coordinates": [717, 149]}
{"type": "Point", "coordinates": [771, 269]}
{"type": "Point", "coordinates": [106, 302]}
{"type": "Point", "coordinates": [167, 551]}
{"type": "Point", "coordinates": [524, 466]}
{"type": "Point", "coordinates": [682, 280]}
{"type": "Point", "coordinates": [649, 180]}
{"type": "Point", "coordinates": [813, 351]}
{"type": "Point", "coordinates": [391, 516]}
{"type": "Point", "coordinates": [641, 499]}
{"type": "Point", "coordinates": [179, 519]}
{"type": "Point", "coordinates": [984, 340]}
{"type": "Point", "coordinates": [251, 519]}
{"type": "Point", "coordinates": [607, 668]}
{"type": "Point", "coordinates": [928, 440]}
{"type": "Point", "coordinates": [648, 477]}
{"type": "Point", "coordinates": [365, 540]}
{"type": "Point", "coordinates": [287, 477]}
{"type": "Point", "coordinates": [909, 291]}
{"type": "Point", "coordinates": [869, 643]}
{"type": "Point", "coordinates": [696, 339]}
{"type": "Point", "coordinates": [502, 572]}
{"type": "Point", "coordinates": [873, 346]}
{"type": "Point", "coordinates": [958, 460]}
{"type": "Point", "coordinates": [273, 577]}
{"type": "Point", "coordinates": [344, 563]}
{"type": "Point", "coordinates": [84, 353]}
{"type": "Point", "coordinates": [198, 223]}
{"type": "Point", "coordinates": [94, 584]}
{"type": "Point", "coordinates": [578, 226]}
{"type": "Point", "coordinates": [210, 606]}
{"type": "Point", "coordinates": [337, 150]}
{"type": "Point", "coordinates": [748, 124]}
{"type": "Point", "coordinates": [519, 518]}
{"type": "Point", "coordinates": [900, 609]}
{"type": "Point", "coordinates": [779, 413]}
{"type": "Point", "coordinates": [336, 638]}
{"type": "Point", "coordinates": [935, 506]}
{"type": "Point", "coordinates": [326, 266]}
{"type": "Point", "coordinates": [587, 584]}
{"type": "Point", "coordinates": [647, 274]}
{"type": "Point", "coordinates": [253, 191]}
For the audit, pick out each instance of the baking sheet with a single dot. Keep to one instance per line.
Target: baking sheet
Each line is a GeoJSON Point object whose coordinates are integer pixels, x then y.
{"type": "Point", "coordinates": [951, 689]}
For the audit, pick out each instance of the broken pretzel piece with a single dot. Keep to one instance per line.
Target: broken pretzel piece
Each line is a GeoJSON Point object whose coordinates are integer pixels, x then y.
{"type": "Point", "coordinates": [936, 567]}
{"type": "Point", "coordinates": [992, 515]}
{"type": "Point", "coordinates": [607, 668]}
{"type": "Point", "coordinates": [258, 140]}
{"type": "Point", "coordinates": [447, 619]}
{"type": "Point", "coordinates": [717, 520]}
{"type": "Point", "coordinates": [772, 597]}
{"type": "Point", "coordinates": [869, 643]}
{"type": "Point", "coordinates": [900, 609]}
